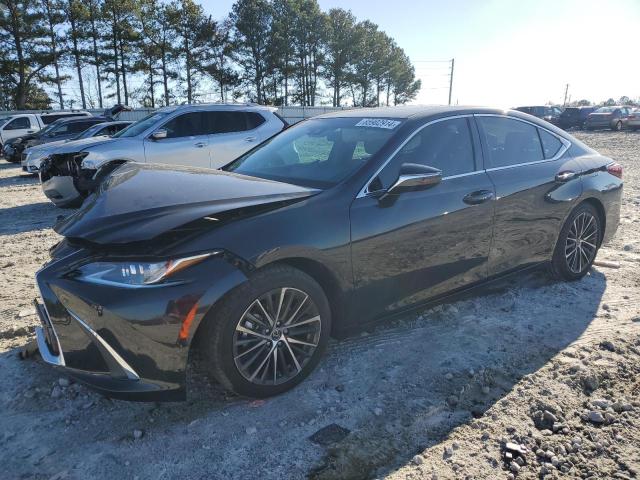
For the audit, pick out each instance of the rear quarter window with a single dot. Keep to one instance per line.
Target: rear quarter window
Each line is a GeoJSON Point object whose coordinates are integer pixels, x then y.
{"type": "Point", "coordinates": [551, 145]}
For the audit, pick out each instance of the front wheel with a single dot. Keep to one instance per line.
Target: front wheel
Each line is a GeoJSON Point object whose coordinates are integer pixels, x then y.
{"type": "Point", "coordinates": [617, 127]}
{"type": "Point", "coordinates": [577, 244]}
{"type": "Point", "coordinates": [268, 334]}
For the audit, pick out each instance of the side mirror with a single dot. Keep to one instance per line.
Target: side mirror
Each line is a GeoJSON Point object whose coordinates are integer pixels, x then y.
{"type": "Point", "coordinates": [414, 177]}
{"type": "Point", "coordinates": [159, 134]}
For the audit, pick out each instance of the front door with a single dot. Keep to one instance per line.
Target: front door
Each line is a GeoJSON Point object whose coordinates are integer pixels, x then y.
{"type": "Point", "coordinates": [414, 246]}
{"type": "Point", "coordinates": [187, 142]}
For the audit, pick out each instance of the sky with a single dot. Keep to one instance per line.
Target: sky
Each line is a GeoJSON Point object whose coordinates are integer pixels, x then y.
{"type": "Point", "coordinates": [508, 52]}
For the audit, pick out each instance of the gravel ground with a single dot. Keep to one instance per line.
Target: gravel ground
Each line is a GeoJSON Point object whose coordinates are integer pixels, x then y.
{"type": "Point", "coordinates": [537, 379]}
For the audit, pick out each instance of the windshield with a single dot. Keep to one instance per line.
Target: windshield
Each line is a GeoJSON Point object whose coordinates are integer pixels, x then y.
{"type": "Point", "coordinates": [48, 128]}
{"type": "Point", "coordinates": [317, 153]}
{"type": "Point", "coordinates": [140, 126]}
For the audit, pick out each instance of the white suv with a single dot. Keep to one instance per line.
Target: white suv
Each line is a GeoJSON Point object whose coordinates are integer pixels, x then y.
{"type": "Point", "coordinates": [207, 135]}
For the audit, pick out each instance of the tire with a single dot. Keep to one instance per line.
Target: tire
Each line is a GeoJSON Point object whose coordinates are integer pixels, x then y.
{"type": "Point", "coordinates": [617, 127]}
{"type": "Point", "coordinates": [228, 352]}
{"type": "Point", "coordinates": [572, 263]}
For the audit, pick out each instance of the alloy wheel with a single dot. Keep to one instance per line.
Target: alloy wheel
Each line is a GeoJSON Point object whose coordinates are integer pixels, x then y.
{"type": "Point", "coordinates": [276, 336]}
{"type": "Point", "coordinates": [581, 245]}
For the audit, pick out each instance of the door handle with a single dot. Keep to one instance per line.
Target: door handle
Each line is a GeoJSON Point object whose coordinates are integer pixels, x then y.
{"type": "Point", "coordinates": [250, 139]}
{"type": "Point", "coordinates": [565, 176]}
{"type": "Point", "coordinates": [200, 144]}
{"type": "Point", "coordinates": [478, 197]}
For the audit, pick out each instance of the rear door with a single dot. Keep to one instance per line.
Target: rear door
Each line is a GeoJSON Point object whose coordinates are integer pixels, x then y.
{"type": "Point", "coordinates": [233, 133]}
{"type": "Point", "coordinates": [536, 184]}
{"type": "Point", "coordinates": [187, 142]}
{"type": "Point", "coordinates": [417, 245]}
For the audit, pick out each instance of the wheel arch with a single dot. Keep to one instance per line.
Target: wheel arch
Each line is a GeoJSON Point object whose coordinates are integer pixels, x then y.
{"type": "Point", "coordinates": [597, 204]}
{"type": "Point", "coordinates": [327, 281]}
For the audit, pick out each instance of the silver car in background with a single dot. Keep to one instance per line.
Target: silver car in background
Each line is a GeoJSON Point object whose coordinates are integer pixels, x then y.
{"type": "Point", "coordinates": [36, 154]}
{"type": "Point", "coordinates": [202, 135]}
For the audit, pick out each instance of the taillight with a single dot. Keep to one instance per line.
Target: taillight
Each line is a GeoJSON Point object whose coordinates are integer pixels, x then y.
{"type": "Point", "coordinates": [615, 169]}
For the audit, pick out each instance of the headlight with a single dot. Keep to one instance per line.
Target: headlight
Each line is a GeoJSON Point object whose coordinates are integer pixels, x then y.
{"type": "Point", "coordinates": [136, 274]}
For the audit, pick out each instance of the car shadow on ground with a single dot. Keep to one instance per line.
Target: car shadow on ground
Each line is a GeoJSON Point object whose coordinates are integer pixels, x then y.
{"type": "Point", "coordinates": [18, 180]}
{"type": "Point", "coordinates": [29, 217]}
{"type": "Point", "coordinates": [393, 391]}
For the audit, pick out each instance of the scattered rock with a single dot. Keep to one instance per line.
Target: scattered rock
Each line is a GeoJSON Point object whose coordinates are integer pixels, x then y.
{"type": "Point", "coordinates": [56, 392]}
{"type": "Point", "coordinates": [251, 430]}
{"type": "Point", "coordinates": [417, 460]}
{"type": "Point", "coordinates": [449, 376]}
{"type": "Point", "coordinates": [595, 417]}
{"type": "Point", "coordinates": [608, 345]}
{"type": "Point", "coordinates": [137, 434]}
{"type": "Point", "coordinates": [340, 388]}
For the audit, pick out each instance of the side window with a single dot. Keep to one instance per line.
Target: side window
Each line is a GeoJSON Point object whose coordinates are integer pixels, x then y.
{"type": "Point", "coordinates": [77, 127]}
{"type": "Point", "coordinates": [185, 125]}
{"type": "Point", "coordinates": [510, 142]}
{"type": "Point", "coordinates": [227, 122]}
{"type": "Point", "coordinates": [18, 123]}
{"type": "Point", "coordinates": [445, 145]}
{"type": "Point", "coordinates": [550, 143]}
{"type": "Point", "coordinates": [254, 120]}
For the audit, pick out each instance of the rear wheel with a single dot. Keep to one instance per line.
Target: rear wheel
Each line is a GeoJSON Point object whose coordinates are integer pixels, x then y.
{"type": "Point", "coordinates": [577, 244]}
{"type": "Point", "coordinates": [618, 126]}
{"type": "Point", "coordinates": [268, 334]}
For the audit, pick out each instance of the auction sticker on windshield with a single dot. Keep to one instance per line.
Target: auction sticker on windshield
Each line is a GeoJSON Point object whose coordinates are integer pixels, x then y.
{"type": "Point", "coordinates": [378, 123]}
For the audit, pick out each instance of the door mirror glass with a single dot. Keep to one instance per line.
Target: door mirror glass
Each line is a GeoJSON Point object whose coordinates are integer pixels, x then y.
{"type": "Point", "coordinates": [159, 134]}
{"type": "Point", "coordinates": [414, 177]}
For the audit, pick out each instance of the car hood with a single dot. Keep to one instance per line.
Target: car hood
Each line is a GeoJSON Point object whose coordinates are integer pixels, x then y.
{"type": "Point", "coordinates": [139, 202]}
{"type": "Point", "coordinates": [74, 146]}
{"type": "Point", "coordinates": [37, 149]}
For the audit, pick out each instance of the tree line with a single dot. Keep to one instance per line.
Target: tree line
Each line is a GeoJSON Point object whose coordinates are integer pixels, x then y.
{"type": "Point", "coordinates": [160, 52]}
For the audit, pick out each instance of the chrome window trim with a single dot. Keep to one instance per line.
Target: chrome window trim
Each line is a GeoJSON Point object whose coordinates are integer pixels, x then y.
{"type": "Point", "coordinates": [364, 191]}
{"type": "Point", "coordinates": [566, 144]}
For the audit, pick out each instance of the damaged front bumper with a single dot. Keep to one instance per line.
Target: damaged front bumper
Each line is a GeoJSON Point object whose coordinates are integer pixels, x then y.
{"type": "Point", "coordinates": [62, 191]}
{"type": "Point", "coordinates": [126, 342]}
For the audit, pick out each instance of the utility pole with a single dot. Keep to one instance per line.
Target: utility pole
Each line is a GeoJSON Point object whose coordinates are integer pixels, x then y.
{"type": "Point", "coordinates": [453, 60]}
{"type": "Point", "coordinates": [566, 91]}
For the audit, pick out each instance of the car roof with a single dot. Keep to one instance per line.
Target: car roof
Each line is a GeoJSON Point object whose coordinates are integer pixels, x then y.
{"type": "Point", "coordinates": [245, 107]}
{"type": "Point", "coordinates": [411, 111]}
{"type": "Point", "coordinates": [61, 121]}
{"type": "Point", "coordinates": [62, 112]}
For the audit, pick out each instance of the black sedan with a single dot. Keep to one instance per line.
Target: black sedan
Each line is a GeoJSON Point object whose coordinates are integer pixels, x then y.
{"type": "Point", "coordinates": [341, 220]}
